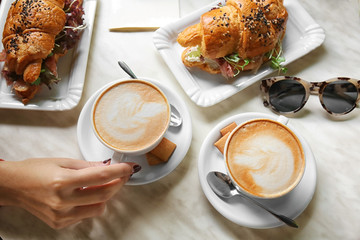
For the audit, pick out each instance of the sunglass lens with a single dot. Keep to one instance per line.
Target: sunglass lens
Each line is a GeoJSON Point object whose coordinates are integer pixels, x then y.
{"type": "Point", "coordinates": [340, 96]}
{"type": "Point", "coordinates": [287, 96]}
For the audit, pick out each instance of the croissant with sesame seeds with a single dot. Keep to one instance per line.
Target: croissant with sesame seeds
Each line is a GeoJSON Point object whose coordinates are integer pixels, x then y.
{"type": "Point", "coordinates": [235, 37]}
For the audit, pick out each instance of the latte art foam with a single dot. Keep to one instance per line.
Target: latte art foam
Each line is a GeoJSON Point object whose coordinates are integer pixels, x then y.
{"type": "Point", "coordinates": [265, 158]}
{"type": "Point", "coordinates": [131, 116]}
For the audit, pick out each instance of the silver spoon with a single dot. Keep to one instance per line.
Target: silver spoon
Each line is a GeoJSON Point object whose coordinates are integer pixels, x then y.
{"type": "Point", "coordinates": [221, 184]}
{"type": "Point", "coordinates": [175, 118]}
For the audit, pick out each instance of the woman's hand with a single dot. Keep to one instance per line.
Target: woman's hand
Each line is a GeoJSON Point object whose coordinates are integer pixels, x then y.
{"type": "Point", "coordinates": [62, 191]}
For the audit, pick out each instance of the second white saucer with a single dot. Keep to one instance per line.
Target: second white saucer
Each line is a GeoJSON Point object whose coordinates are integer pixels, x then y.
{"type": "Point", "coordinates": [239, 210]}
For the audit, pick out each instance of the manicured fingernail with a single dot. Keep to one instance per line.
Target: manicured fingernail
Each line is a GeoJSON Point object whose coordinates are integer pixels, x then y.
{"type": "Point", "coordinates": [107, 161]}
{"type": "Point", "coordinates": [136, 168]}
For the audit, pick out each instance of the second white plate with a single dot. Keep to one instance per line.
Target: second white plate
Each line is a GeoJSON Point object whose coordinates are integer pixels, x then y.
{"type": "Point", "coordinates": [302, 36]}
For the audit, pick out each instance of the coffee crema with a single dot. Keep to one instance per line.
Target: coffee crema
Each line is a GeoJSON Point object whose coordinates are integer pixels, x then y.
{"type": "Point", "coordinates": [131, 115]}
{"type": "Point", "coordinates": [265, 158]}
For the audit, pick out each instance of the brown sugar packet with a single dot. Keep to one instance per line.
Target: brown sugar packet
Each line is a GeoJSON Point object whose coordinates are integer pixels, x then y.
{"type": "Point", "coordinates": [225, 132]}
{"type": "Point", "coordinates": [162, 152]}
{"type": "Point", "coordinates": [152, 159]}
{"type": "Point", "coordinates": [228, 128]}
{"type": "Point", "coordinates": [220, 144]}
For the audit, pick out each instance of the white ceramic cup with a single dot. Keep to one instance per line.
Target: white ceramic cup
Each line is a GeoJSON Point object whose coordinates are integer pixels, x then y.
{"type": "Point", "coordinates": [264, 158]}
{"type": "Point", "coordinates": [130, 117]}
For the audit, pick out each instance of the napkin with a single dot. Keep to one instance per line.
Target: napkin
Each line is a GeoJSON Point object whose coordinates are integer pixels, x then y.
{"type": "Point", "coordinates": [142, 15]}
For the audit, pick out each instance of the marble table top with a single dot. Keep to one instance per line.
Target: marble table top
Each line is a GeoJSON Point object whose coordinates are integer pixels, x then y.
{"type": "Point", "coordinates": [175, 207]}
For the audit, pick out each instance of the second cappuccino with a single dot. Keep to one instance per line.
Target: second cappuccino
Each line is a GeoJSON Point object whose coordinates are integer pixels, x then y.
{"type": "Point", "coordinates": [264, 158]}
{"type": "Point", "coordinates": [131, 116]}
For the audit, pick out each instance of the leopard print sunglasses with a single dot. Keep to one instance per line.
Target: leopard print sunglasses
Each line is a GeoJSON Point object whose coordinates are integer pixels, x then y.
{"type": "Point", "coordinates": [285, 94]}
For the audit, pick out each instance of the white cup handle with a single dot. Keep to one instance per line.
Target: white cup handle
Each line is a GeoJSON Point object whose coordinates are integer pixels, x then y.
{"type": "Point", "coordinates": [283, 120]}
{"type": "Point", "coordinates": [118, 157]}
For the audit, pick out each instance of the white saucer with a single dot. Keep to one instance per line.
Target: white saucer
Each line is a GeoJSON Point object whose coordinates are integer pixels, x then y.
{"type": "Point", "coordinates": [239, 210]}
{"type": "Point", "coordinates": [93, 150]}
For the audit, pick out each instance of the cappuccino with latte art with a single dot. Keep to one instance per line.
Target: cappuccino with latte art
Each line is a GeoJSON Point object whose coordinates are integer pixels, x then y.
{"type": "Point", "coordinates": [264, 158]}
{"type": "Point", "coordinates": [131, 116]}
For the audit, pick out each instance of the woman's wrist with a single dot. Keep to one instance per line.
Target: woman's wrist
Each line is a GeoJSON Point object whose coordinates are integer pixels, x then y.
{"type": "Point", "coordinates": [2, 183]}
{"type": "Point", "coordinates": [0, 158]}
{"type": "Point", "coordinates": [5, 186]}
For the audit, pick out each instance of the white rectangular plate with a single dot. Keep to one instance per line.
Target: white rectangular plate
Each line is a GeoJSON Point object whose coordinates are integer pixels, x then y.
{"type": "Point", "coordinates": [302, 36]}
{"type": "Point", "coordinates": [71, 68]}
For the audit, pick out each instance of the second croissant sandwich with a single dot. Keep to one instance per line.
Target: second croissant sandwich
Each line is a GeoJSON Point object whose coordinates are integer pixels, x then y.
{"type": "Point", "coordinates": [238, 36]}
{"type": "Point", "coordinates": [36, 34]}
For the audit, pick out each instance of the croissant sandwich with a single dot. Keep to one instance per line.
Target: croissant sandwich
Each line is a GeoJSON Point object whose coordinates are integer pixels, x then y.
{"type": "Point", "coordinates": [36, 34]}
{"type": "Point", "coordinates": [238, 36]}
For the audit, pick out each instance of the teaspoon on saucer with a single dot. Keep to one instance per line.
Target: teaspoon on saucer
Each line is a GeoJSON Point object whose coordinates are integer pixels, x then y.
{"type": "Point", "coordinates": [175, 118]}
{"type": "Point", "coordinates": [221, 184]}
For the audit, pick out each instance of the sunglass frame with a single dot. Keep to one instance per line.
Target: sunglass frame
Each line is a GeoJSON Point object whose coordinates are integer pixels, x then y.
{"type": "Point", "coordinates": [311, 88]}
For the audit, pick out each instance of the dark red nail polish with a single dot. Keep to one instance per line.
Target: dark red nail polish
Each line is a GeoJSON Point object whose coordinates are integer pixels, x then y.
{"type": "Point", "coordinates": [136, 168]}
{"type": "Point", "coordinates": [107, 161]}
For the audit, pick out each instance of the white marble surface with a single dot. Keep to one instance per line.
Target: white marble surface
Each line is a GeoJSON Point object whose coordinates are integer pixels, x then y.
{"type": "Point", "coordinates": [175, 206]}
